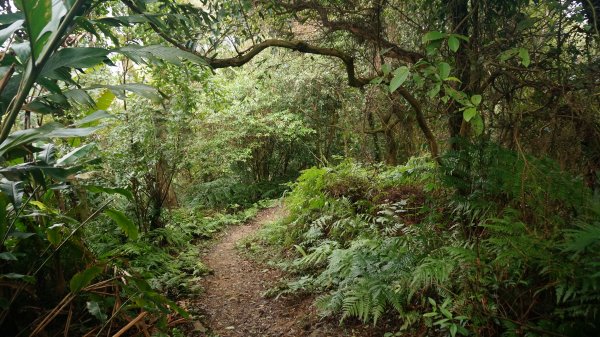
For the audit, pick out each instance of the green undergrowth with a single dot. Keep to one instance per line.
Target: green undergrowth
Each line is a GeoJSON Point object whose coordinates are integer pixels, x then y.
{"type": "Point", "coordinates": [232, 193]}
{"type": "Point", "coordinates": [489, 243]}
{"type": "Point", "coordinates": [168, 258]}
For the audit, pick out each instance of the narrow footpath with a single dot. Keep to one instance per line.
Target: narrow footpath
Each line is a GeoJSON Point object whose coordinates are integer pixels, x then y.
{"type": "Point", "coordinates": [233, 301]}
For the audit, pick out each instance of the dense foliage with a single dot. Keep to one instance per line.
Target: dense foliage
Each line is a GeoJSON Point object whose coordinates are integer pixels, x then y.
{"type": "Point", "coordinates": [440, 159]}
{"type": "Point", "coordinates": [509, 256]}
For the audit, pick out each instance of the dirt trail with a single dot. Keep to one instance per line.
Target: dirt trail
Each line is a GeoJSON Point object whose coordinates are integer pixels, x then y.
{"type": "Point", "coordinates": [233, 303]}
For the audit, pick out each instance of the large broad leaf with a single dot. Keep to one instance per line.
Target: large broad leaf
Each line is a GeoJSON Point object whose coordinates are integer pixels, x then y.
{"type": "Point", "coordinates": [72, 132]}
{"type": "Point", "coordinates": [50, 130]}
{"type": "Point", "coordinates": [155, 52]}
{"type": "Point", "coordinates": [8, 31]}
{"type": "Point", "coordinates": [73, 156]}
{"type": "Point", "coordinates": [48, 155]}
{"type": "Point", "coordinates": [16, 276]}
{"type": "Point", "coordinates": [37, 15]}
{"type": "Point", "coordinates": [41, 106]}
{"type": "Point", "coordinates": [101, 189]}
{"type": "Point", "coordinates": [93, 117]}
{"type": "Point", "coordinates": [138, 88]}
{"type": "Point", "coordinates": [75, 58]}
{"type": "Point", "coordinates": [84, 278]}
{"type": "Point", "coordinates": [8, 19]}
{"type": "Point", "coordinates": [28, 136]}
{"type": "Point", "coordinates": [80, 97]}
{"type": "Point", "coordinates": [23, 171]}
{"type": "Point", "coordinates": [125, 21]}
{"type": "Point", "coordinates": [126, 225]}
{"type": "Point", "coordinates": [94, 309]}
{"type": "Point", "coordinates": [42, 18]}
{"type": "Point", "coordinates": [7, 256]}
{"type": "Point", "coordinates": [13, 190]}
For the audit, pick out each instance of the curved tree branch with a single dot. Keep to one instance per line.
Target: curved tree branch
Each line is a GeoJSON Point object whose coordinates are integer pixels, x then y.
{"type": "Point", "coordinates": [299, 46]}
{"type": "Point", "coordinates": [359, 31]}
{"type": "Point", "coordinates": [303, 47]}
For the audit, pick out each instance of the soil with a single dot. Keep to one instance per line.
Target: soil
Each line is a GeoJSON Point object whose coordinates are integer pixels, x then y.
{"type": "Point", "coordinates": [233, 304]}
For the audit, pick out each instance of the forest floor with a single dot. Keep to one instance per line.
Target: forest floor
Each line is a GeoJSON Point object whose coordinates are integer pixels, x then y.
{"type": "Point", "coordinates": [233, 302]}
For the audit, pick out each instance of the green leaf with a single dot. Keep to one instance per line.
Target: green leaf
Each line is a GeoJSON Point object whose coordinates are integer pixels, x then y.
{"type": "Point", "coordinates": [300, 250]}
{"type": "Point", "coordinates": [14, 191]}
{"type": "Point", "coordinates": [38, 14]}
{"type": "Point", "coordinates": [48, 155]}
{"type": "Point", "coordinates": [8, 31]}
{"type": "Point", "coordinates": [53, 234]}
{"type": "Point", "coordinates": [80, 97]}
{"type": "Point", "coordinates": [377, 80]}
{"type": "Point", "coordinates": [20, 235]}
{"type": "Point", "coordinates": [452, 79]}
{"type": "Point", "coordinates": [386, 68]}
{"type": "Point", "coordinates": [469, 113]}
{"type": "Point", "coordinates": [433, 36]}
{"type": "Point", "coordinates": [105, 100]}
{"type": "Point", "coordinates": [524, 55]}
{"type": "Point", "coordinates": [100, 189]}
{"type": "Point", "coordinates": [74, 58]}
{"type": "Point", "coordinates": [138, 88]}
{"type": "Point", "coordinates": [27, 136]}
{"type": "Point", "coordinates": [444, 70]}
{"type": "Point", "coordinates": [73, 156]}
{"type": "Point", "coordinates": [445, 312]}
{"type": "Point", "coordinates": [94, 309]}
{"type": "Point", "coordinates": [453, 330]}
{"type": "Point", "coordinates": [8, 256]}
{"type": "Point", "coordinates": [39, 107]}
{"type": "Point", "coordinates": [73, 132]}
{"type": "Point", "coordinates": [433, 47]}
{"type": "Point", "coordinates": [8, 19]}
{"type": "Point", "coordinates": [453, 43]}
{"type": "Point", "coordinates": [126, 225]}
{"type": "Point", "coordinates": [21, 171]}
{"type": "Point", "coordinates": [456, 95]}
{"type": "Point", "coordinates": [477, 125]}
{"type": "Point", "coordinates": [506, 55]}
{"type": "Point", "coordinates": [476, 99]}
{"type": "Point", "coordinates": [21, 138]}
{"type": "Point", "coordinates": [400, 76]}
{"type": "Point", "coordinates": [16, 276]}
{"type": "Point", "coordinates": [435, 90]}
{"type": "Point", "coordinates": [84, 278]}
{"type": "Point", "coordinates": [93, 117]}
{"type": "Point", "coordinates": [441, 321]}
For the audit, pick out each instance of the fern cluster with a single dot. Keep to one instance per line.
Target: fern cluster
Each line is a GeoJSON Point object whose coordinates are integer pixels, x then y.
{"type": "Point", "coordinates": [490, 243]}
{"type": "Point", "coordinates": [168, 258]}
